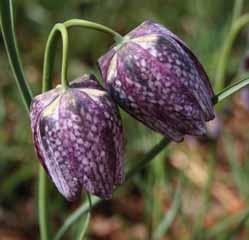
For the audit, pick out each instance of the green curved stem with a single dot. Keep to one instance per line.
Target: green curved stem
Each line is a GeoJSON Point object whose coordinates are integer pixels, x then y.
{"type": "Point", "coordinates": [84, 225]}
{"type": "Point", "coordinates": [8, 31]}
{"type": "Point", "coordinates": [58, 29]}
{"type": "Point", "coordinates": [89, 200]}
{"type": "Point", "coordinates": [92, 25]}
{"type": "Point", "coordinates": [238, 25]}
{"type": "Point", "coordinates": [42, 204]}
{"type": "Point", "coordinates": [226, 92]}
{"type": "Point", "coordinates": [148, 157]}
{"type": "Point", "coordinates": [84, 208]}
{"type": "Point", "coordinates": [238, 5]}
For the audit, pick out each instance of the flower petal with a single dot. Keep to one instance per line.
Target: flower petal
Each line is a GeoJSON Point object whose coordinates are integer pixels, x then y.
{"type": "Point", "coordinates": [100, 141]}
{"type": "Point", "coordinates": [57, 159]}
{"type": "Point", "coordinates": [175, 59]}
{"type": "Point", "coordinates": [155, 96]}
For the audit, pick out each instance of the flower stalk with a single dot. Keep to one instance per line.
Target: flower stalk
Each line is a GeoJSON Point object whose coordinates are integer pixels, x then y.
{"type": "Point", "coordinates": [95, 26]}
{"type": "Point", "coordinates": [42, 204]}
{"type": "Point", "coordinates": [58, 29]}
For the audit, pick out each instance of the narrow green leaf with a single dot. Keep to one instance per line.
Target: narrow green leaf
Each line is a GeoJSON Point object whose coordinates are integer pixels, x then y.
{"type": "Point", "coordinates": [237, 9]}
{"type": "Point", "coordinates": [169, 216]}
{"type": "Point", "coordinates": [83, 227]}
{"type": "Point", "coordinates": [236, 28]}
{"type": "Point", "coordinates": [84, 208]}
{"type": "Point", "coordinates": [7, 26]}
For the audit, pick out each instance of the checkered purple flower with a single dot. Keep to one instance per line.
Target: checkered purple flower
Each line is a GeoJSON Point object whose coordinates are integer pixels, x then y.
{"type": "Point", "coordinates": [155, 77]}
{"type": "Point", "coordinates": [78, 137]}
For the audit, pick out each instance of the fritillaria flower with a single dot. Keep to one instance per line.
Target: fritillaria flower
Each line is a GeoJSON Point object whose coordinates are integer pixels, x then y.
{"type": "Point", "coordinates": [155, 77]}
{"type": "Point", "coordinates": [79, 138]}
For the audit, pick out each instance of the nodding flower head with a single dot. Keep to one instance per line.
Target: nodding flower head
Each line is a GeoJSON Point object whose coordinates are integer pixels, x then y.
{"type": "Point", "coordinates": [78, 138]}
{"type": "Point", "coordinates": [155, 77]}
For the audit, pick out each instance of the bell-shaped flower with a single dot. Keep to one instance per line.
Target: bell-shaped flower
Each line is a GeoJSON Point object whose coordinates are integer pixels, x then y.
{"type": "Point", "coordinates": [155, 77]}
{"type": "Point", "coordinates": [78, 137]}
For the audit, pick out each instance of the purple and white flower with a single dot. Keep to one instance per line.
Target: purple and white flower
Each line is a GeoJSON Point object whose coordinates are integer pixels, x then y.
{"type": "Point", "coordinates": [155, 77]}
{"type": "Point", "coordinates": [78, 137]}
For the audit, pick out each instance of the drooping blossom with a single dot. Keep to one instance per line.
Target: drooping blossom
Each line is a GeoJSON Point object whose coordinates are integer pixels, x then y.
{"type": "Point", "coordinates": [156, 78]}
{"type": "Point", "coordinates": [78, 137]}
